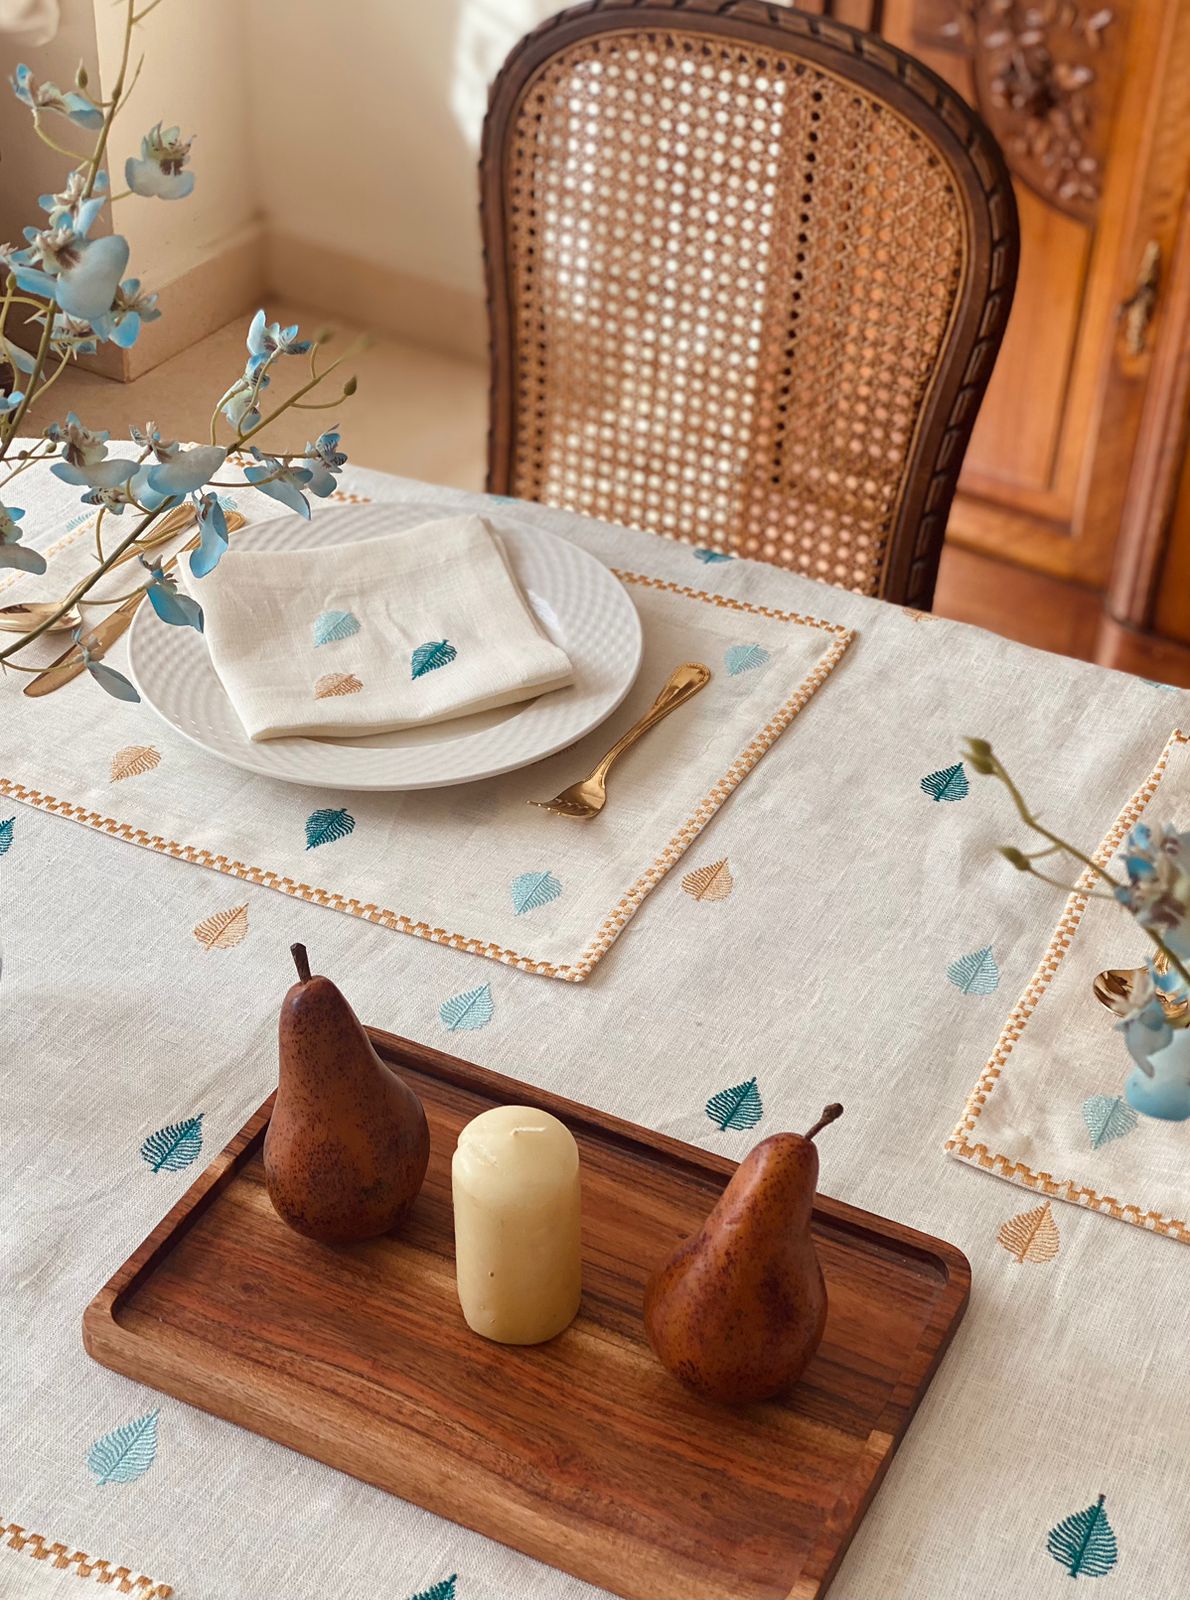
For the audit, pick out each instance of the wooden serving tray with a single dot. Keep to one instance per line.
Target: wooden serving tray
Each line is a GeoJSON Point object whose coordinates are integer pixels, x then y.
{"type": "Point", "coordinates": [582, 1452]}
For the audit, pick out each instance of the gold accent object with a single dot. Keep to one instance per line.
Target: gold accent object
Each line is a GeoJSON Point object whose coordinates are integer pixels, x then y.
{"type": "Point", "coordinates": [1113, 989]}
{"type": "Point", "coordinates": [105, 633]}
{"type": "Point", "coordinates": [1137, 312]}
{"type": "Point", "coordinates": [588, 798]}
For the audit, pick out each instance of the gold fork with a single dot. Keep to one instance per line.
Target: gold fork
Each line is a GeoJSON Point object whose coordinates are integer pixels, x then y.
{"type": "Point", "coordinates": [588, 798]}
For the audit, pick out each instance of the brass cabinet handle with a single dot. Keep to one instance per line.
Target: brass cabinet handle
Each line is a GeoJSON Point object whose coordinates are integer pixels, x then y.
{"type": "Point", "coordinates": [1136, 313]}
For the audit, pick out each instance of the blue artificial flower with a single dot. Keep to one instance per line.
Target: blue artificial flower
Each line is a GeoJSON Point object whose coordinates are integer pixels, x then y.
{"type": "Point", "coordinates": [326, 461]}
{"type": "Point", "coordinates": [187, 470]}
{"type": "Point", "coordinates": [115, 683]}
{"type": "Point", "coordinates": [269, 339]}
{"type": "Point", "coordinates": [81, 274]}
{"type": "Point", "coordinates": [1158, 889]}
{"type": "Point", "coordinates": [98, 475]}
{"type": "Point", "coordinates": [281, 482]}
{"type": "Point", "coordinates": [114, 499]}
{"type": "Point", "coordinates": [9, 402]}
{"type": "Point", "coordinates": [177, 609]}
{"type": "Point", "coordinates": [239, 403]}
{"type": "Point", "coordinates": [148, 498]}
{"type": "Point", "coordinates": [130, 308]}
{"type": "Point", "coordinates": [149, 439]}
{"type": "Point", "coordinates": [81, 446]}
{"type": "Point", "coordinates": [19, 360]}
{"type": "Point", "coordinates": [48, 97]}
{"type": "Point", "coordinates": [72, 205]}
{"type": "Point", "coordinates": [71, 336]}
{"type": "Point", "coordinates": [212, 542]}
{"type": "Point", "coordinates": [159, 172]}
{"type": "Point", "coordinates": [12, 552]}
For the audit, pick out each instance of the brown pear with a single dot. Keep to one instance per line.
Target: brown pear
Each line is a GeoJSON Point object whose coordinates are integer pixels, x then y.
{"type": "Point", "coordinates": [738, 1310]}
{"type": "Point", "coordinates": [347, 1146]}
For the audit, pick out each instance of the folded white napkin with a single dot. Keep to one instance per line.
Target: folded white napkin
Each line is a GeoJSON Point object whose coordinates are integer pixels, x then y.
{"type": "Point", "coordinates": [364, 638]}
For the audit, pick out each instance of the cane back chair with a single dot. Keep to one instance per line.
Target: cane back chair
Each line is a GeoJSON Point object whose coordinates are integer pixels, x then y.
{"type": "Point", "coordinates": [748, 271]}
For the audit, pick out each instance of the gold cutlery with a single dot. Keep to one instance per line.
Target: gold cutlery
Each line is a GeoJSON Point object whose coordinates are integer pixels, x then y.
{"type": "Point", "coordinates": [20, 618]}
{"type": "Point", "coordinates": [1113, 989]}
{"type": "Point", "coordinates": [105, 633]}
{"type": "Point", "coordinates": [588, 798]}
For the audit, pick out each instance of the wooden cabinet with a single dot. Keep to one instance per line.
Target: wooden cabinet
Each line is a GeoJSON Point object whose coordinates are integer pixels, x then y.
{"type": "Point", "coordinates": [1076, 469]}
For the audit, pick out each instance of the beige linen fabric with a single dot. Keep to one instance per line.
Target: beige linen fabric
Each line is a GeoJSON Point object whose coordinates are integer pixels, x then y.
{"type": "Point", "coordinates": [823, 974]}
{"type": "Point", "coordinates": [446, 582]}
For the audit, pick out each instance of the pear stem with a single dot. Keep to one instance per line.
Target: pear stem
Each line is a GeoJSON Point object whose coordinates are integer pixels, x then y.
{"type": "Point", "coordinates": [302, 962]}
{"type": "Point", "coordinates": [830, 1114]}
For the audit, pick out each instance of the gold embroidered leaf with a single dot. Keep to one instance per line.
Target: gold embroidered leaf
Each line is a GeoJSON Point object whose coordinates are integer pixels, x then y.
{"type": "Point", "coordinates": [710, 883]}
{"type": "Point", "coordinates": [223, 930]}
{"type": "Point", "coordinates": [133, 760]}
{"type": "Point", "coordinates": [918, 616]}
{"type": "Point", "coordinates": [1031, 1235]}
{"type": "Point", "coordinates": [336, 683]}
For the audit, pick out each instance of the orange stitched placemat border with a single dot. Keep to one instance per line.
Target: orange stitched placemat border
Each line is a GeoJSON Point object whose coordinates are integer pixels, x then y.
{"type": "Point", "coordinates": [960, 1144]}
{"type": "Point", "coordinates": [78, 1564]}
{"type": "Point", "coordinates": [627, 905]}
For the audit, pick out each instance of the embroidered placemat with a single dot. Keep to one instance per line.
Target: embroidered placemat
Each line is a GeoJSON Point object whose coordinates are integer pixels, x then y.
{"type": "Point", "coordinates": [475, 867]}
{"type": "Point", "coordinates": [1048, 1111]}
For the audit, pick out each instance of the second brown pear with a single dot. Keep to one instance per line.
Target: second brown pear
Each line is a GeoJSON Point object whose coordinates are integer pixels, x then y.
{"type": "Point", "coordinates": [347, 1145]}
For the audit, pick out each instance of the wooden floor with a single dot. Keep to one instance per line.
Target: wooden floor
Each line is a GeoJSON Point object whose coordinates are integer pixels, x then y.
{"type": "Point", "coordinates": [423, 414]}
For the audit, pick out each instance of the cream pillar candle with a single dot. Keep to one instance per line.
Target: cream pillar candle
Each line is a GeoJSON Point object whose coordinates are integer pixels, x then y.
{"type": "Point", "coordinates": [515, 1177]}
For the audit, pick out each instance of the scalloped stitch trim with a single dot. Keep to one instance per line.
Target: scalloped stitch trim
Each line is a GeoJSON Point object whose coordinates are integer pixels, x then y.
{"type": "Point", "coordinates": [960, 1145]}
{"type": "Point", "coordinates": [80, 1565]}
{"type": "Point", "coordinates": [624, 909]}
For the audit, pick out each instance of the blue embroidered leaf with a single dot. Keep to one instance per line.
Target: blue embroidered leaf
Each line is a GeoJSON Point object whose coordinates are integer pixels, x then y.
{"type": "Point", "coordinates": [126, 1453]}
{"type": "Point", "coordinates": [1153, 684]}
{"type": "Point", "coordinates": [332, 625]}
{"type": "Point", "coordinates": [427, 657]}
{"type": "Point", "coordinates": [1108, 1117]}
{"type": "Point", "coordinates": [6, 828]}
{"type": "Point", "coordinates": [533, 889]}
{"type": "Point", "coordinates": [744, 658]}
{"type": "Point", "coordinates": [1084, 1543]}
{"type": "Point", "coordinates": [324, 827]}
{"type": "Point", "coordinates": [709, 556]}
{"type": "Point", "coordinates": [976, 973]}
{"type": "Point", "coordinates": [445, 1590]}
{"type": "Point", "coordinates": [740, 1107]}
{"type": "Point", "coordinates": [471, 1009]}
{"type": "Point", "coordinates": [948, 784]}
{"type": "Point", "coordinates": [173, 1147]}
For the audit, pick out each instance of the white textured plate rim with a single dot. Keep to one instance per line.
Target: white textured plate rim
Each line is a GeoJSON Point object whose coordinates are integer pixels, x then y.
{"type": "Point", "coordinates": [247, 759]}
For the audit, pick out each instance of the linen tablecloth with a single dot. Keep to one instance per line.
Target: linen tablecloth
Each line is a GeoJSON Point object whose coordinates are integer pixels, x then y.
{"type": "Point", "coordinates": [846, 963]}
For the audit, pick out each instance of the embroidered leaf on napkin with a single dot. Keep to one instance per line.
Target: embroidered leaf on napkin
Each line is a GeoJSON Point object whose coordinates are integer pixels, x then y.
{"type": "Point", "coordinates": [744, 658]}
{"type": "Point", "coordinates": [324, 827]}
{"type": "Point", "coordinates": [710, 883]}
{"type": "Point", "coordinates": [1084, 1543]}
{"type": "Point", "coordinates": [133, 760]}
{"type": "Point", "coordinates": [740, 1107]}
{"type": "Point", "coordinates": [438, 653]}
{"type": "Point", "coordinates": [333, 684]}
{"type": "Point", "coordinates": [713, 555]}
{"type": "Point", "coordinates": [175, 1146]}
{"type": "Point", "coordinates": [976, 973]}
{"type": "Point", "coordinates": [1108, 1117]}
{"type": "Point", "coordinates": [6, 828]}
{"type": "Point", "coordinates": [445, 1590]}
{"type": "Point", "coordinates": [918, 616]}
{"type": "Point", "coordinates": [464, 1012]}
{"type": "Point", "coordinates": [948, 784]}
{"type": "Point", "coordinates": [332, 625]}
{"type": "Point", "coordinates": [1031, 1235]}
{"type": "Point", "coordinates": [126, 1453]}
{"type": "Point", "coordinates": [533, 889]}
{"type": "Point", "coordinates": [222, 930]}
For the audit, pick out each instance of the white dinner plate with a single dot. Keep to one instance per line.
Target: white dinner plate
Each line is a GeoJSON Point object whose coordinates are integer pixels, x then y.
{"type": "Point", "coordinates": [575, 598]}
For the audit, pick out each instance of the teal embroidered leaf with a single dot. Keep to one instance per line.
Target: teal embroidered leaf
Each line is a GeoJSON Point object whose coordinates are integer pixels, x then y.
{"type": "Point", "coordinates": [126, 1453]}
{"type": "Point", "coordinates": [471, 1009]}
{"type": "Point", "coordinates": [175, 1146]}
{"type": "Point", "coordinates": [6, 828]}
{"type": "Point", "coordinates": [1084, 1543]}
{"type": "Point", "coordinates": [332, 625]}
{"type": "Point", "coordinates": [445, 1590]}
{"type": "Point", "coordinates": [744, 658]}
{"type": "Point", "coordinates": [1108, 1117]}
{"type": "Point", "coordinates": [976, 973]}
{"type": "Point", "coordinates": [948, 784]}
{"type": "Point", "coordinates": [324, 827]}
{"type": "Point", "coordinates": [428, 657]}
{"type": "Point", "coordinates": [533, 889]}
{"type": "Point", "coordinates": [709, 556]}
{"type": "Point", "coordinates": [1153, 684]}
{"type": "Point", "coordinates": [740, 1107]}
